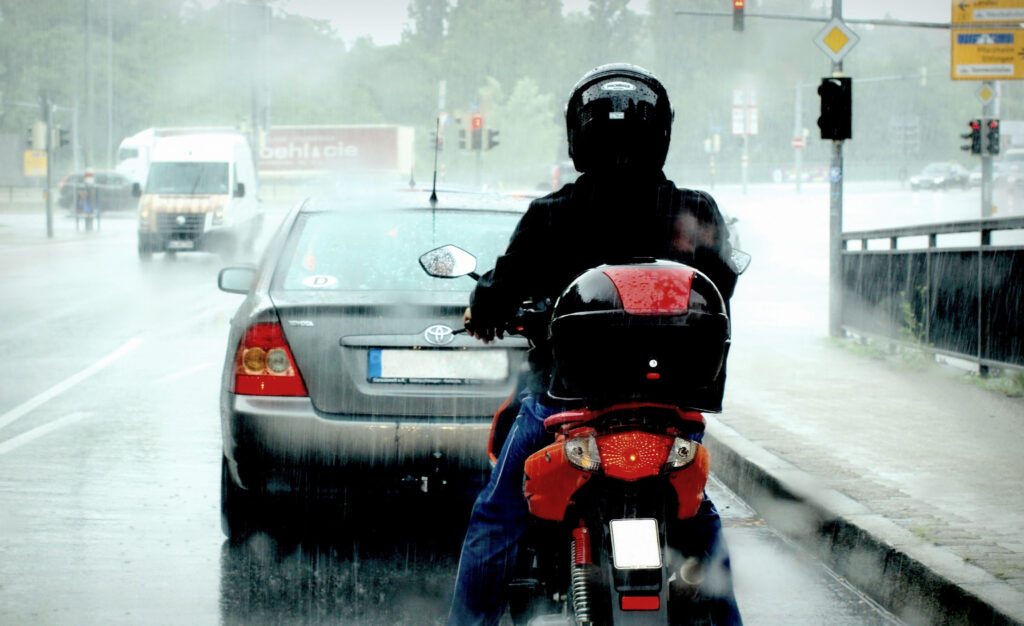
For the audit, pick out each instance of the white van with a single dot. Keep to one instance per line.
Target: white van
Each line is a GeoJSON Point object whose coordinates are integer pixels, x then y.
{"type": "Point", "coordinates": [201, 193]}
{"type": "Point", "coordinates": [133, 155]}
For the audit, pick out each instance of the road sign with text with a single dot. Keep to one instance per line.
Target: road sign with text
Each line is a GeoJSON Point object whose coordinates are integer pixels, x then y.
{"type": "Point", "coordinates": [987, 11]}
{"type": "Point", "coordinates": [987, 54]}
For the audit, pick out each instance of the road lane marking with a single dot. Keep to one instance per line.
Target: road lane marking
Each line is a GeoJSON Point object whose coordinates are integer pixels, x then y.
{"type": "Point", "coordinates": [33, 403]}
{"type": "Point", "coordinates": [37, 432]}
{"type": "Point", "coordinates": [183, 373]}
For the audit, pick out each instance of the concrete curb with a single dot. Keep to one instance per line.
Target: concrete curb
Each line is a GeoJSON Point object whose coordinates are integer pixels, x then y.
{"type": "Point", "coordinates": [919, 582]}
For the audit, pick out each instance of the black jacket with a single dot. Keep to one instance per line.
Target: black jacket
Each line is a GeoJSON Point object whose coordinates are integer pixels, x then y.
{"type": "Point", "coordinates": [598, 220]}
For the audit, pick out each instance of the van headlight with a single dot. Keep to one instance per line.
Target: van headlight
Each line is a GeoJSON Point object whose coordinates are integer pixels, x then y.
{"type": "Point", "coordinates": [218, 217]}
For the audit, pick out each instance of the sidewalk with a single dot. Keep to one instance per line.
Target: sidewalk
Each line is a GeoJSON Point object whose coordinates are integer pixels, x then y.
{"type": "Point", "coordinates": [906, 481]}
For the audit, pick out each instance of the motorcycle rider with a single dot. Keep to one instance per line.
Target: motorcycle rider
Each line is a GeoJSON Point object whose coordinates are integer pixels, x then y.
{"type": "Point", "coordinates": [618, 121]}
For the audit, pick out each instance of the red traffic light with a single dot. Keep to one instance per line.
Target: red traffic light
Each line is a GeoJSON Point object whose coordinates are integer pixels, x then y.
{"type": "Point", "coordinates": [975, 125]}
{"type": "Point", "coordinates": [993, 123]}
{"type": "Point", "coordinates": [738, 4]}
{"type": "Point", "coordinates": [477, 122]}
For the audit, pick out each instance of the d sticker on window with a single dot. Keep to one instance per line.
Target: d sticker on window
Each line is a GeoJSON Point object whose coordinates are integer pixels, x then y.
{"type": "Point", "coordinates": [320, 281]}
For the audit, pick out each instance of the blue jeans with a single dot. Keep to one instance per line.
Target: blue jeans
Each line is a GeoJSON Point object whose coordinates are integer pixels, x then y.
{"type": "Point", "coordinates": [500, 516]}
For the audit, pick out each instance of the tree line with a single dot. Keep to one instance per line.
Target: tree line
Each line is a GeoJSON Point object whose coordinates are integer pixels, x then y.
{"type": "Point", "coordinates": [131, 64]}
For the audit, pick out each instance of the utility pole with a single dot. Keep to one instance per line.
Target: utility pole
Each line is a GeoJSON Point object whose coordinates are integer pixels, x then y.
{"type": "Point", "coordinates": [46, 108]}
{"type": "Point", "coordinates": [798, 116]}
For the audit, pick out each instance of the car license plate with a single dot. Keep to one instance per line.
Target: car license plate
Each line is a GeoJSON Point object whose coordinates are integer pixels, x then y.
{"type": "Point", "coordinates": [439, 367]}
{"type": "Point", "coordinates": [635, 544]}
{"type": "Point", "coordinates": [180, 244]}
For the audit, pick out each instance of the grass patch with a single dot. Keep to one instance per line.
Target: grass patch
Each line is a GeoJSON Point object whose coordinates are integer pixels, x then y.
{"type": "Point", "coordinates": [1011, 385]}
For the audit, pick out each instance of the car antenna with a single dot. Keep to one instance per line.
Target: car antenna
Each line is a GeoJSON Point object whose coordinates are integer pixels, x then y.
{"type": "Point", "coordinates": [437, 148]}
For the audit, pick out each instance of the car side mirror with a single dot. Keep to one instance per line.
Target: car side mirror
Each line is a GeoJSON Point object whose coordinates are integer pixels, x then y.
{"type": "Point", "coordinates": [240, 190]}
{"type": "Point", "coordinates": [237, 279]}
{"type": "Point", "coordinates": [448, 262]}
{"type": "Point", "coordinates": [136, 190]}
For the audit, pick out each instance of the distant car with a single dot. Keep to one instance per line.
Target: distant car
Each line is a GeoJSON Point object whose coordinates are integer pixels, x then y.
{"type": "Point", "coordinates": [342, 367]}
{"type": "Point", "coordinates": [112, 190]}
{"type": "Point", "coordinates": [999, 172]}
{"type": "Point", "coordinates": [941, 176]}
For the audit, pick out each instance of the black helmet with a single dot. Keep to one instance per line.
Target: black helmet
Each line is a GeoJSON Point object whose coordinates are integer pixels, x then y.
{"type": "Point", "coordinates": [618, 114]}
{"type": "Point", "coordinates": [651, 330]}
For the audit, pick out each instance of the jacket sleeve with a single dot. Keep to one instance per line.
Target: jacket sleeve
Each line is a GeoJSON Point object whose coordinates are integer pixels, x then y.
{"type": "Point", "coordinates": [707, 233]}
{"type": "Point", "coordinates": [499, 292]}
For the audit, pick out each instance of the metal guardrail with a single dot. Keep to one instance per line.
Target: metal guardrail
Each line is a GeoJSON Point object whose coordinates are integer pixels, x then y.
{"type": "Point", "coordinates": [961, 301]}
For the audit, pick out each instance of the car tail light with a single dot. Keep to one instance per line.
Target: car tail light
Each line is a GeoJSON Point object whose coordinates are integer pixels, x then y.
{"type": "Point", "coordinates": [264, 365]}
{"type": "Point", "coordinates": [633, 454]}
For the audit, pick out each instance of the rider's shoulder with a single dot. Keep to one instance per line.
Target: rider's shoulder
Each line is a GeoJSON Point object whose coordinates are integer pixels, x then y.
{"type": "Point", "coordinates": [556, 198]}
{"type": "Point", "coordinates": [695, 199]}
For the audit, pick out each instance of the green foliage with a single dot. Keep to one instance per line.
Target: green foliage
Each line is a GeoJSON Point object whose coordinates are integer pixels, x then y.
{"type": "Point", "coordinates": [185, 62]}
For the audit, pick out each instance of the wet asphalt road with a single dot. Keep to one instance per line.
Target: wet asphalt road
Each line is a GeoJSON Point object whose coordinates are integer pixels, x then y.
{"type": "Point", "coordinates": [110, 463]}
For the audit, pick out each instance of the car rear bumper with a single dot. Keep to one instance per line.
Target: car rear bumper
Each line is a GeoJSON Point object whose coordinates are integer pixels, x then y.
{"type": "Point", "coordinates": [271, 439]}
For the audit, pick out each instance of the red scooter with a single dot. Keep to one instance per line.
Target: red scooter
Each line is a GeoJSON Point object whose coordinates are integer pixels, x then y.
{"type": "Point", "coordinates": [639, 351]}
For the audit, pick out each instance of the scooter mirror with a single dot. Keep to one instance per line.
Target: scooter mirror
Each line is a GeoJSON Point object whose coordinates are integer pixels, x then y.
{"type": "Point", "coordinates": [739, 260]}
{"type": "Point", "coordinates": [448, 262]}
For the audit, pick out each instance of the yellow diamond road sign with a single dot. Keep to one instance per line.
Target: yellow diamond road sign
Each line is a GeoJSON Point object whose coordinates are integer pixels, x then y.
{"type": "Point", "coordinates": [984, 94]}
{"type": "Point", "coordinates": [836, 39]}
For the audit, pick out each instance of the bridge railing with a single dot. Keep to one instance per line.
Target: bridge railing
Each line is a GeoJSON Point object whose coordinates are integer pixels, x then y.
{"type": "Point", "coordinates": [927, 286]}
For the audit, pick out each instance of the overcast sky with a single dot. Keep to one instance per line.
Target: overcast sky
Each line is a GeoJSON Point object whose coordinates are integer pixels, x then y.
{"type": "Point", "coordinates": [384, 20]}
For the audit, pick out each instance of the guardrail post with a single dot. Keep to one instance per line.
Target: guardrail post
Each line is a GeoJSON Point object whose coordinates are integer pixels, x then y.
{"type": "Point", "coordinates": [986, 239]}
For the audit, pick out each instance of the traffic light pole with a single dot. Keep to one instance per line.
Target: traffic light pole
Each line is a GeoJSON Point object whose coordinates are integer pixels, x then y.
{"type": "Point", "coordinates": [835, 217]}
{"type": "Point", "coordinates": [988, 112]}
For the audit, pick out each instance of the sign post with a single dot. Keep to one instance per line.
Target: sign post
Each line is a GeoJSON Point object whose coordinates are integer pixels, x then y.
{"type": "Point", "coordinates": [836, 40]}
{"type": "Point", "coordinates": [745, 123]}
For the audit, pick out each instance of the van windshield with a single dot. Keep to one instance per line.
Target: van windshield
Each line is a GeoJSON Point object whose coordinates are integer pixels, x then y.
{"type": "Point", "coordinates": [127, 153]}
{"type": "Point", "coordinates": [188, 178]}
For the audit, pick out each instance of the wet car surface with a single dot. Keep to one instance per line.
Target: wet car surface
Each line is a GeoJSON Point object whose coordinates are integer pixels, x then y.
{"type": "Point", "coordinates": [941, 176]}
{"type": "Point", "coordinates": [341, 365]}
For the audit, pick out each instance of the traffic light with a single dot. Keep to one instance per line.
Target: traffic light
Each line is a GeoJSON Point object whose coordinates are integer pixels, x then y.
{"type": "Point", "coordinates": [975, 136]}
{"type": "Point", "coordinates": [37, 136]}
{"type": "Point", "coordinates": [58, 138]}
{"type": "Point", "coordinates": [462, 139]}
{"type": "Point", "coordinates": [737, 15]}
{"type": "Point", "coordinates": [836, 108]}
{"type": "Point", "coordinates": [992, 136]}
{"type": "Point", "coordinates": [436, 142]}
{"type": "Point", "coordinates": [491, 141]}
{"type": "Point", "coordinates": [476, 132]}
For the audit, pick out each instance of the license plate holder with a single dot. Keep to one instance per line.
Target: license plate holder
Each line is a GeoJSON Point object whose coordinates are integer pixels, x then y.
{"type": "Point", "coordinates": [636, 543]}
{"type": "Point", "coordinates": [437, 367]}
{"type": "Point", "coordinates": [181, 244]}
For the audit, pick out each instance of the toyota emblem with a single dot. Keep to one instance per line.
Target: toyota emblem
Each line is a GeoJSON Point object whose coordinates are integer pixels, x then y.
{"type": "Point", "coordinates": [439, 335]}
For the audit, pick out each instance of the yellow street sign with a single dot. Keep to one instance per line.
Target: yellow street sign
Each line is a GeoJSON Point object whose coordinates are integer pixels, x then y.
{"type": "Point", "coordinates": [984, 93]}
{"type": "Point", "coordinates": [982, 54]}
{"type": "Point", "coordinates": [836, 39]}
{"type": "Point", "coordinates": [987, 11]}
{"type": "Point", "coordinates": [35, 163]}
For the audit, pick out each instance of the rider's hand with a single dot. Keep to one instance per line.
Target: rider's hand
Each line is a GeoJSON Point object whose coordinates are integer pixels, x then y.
{"type": "Point", "coordinates": [485, 335]}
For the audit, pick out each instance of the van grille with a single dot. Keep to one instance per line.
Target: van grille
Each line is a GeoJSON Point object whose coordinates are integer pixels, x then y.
{"type": "Point", "coordinates": [183, 223]}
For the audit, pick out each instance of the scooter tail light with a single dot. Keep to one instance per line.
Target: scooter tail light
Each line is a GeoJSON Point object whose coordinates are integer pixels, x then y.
{"type": "Point", "coordinates": [633, 454]}
{"type": "Point", "coordinates": [264, 365]}
{"type": "Point", "coordinates": [682, 453]}
{"type": "Point", "coordinates": [582, 453]}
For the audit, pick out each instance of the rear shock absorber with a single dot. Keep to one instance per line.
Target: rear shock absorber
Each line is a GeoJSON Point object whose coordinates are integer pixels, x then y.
{"type": "Point", "coordinates": [580, 574]}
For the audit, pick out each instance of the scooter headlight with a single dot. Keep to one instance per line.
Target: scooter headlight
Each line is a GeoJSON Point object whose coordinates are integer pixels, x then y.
{"type": "Point", "coordinates": [582, 453]}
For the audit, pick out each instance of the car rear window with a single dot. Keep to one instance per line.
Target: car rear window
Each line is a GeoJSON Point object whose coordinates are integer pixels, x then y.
{"type": "Point", "coordinates": [380, 251]}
